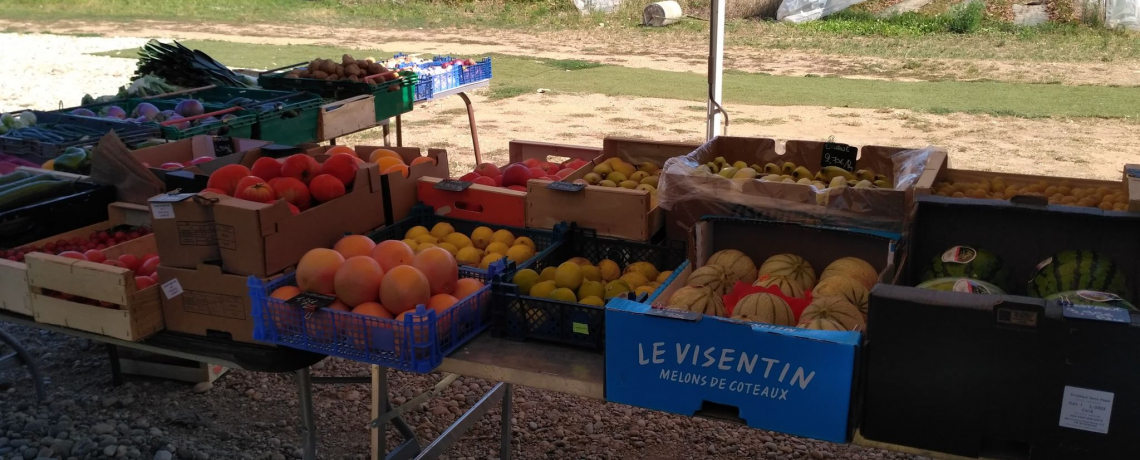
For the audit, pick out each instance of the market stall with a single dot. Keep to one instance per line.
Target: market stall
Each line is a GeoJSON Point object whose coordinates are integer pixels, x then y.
{"type": "Point", "coordinates": [845, 293]}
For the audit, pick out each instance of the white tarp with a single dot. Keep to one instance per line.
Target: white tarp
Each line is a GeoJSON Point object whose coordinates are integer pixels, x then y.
{"type": "Point", "coordinates": [1122, 13]}
{"type": "Point", "coordinates": [599, 6]}
{"type": "Point", "coordinates": [797, 11]}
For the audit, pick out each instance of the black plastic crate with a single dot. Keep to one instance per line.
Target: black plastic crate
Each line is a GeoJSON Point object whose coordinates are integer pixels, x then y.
{"type": "Point", "coordinates": [76, 131]}
{"type": "Point", "coordinates": [86, 205]}
{"type": "Point", "coordinates": [517, 316]}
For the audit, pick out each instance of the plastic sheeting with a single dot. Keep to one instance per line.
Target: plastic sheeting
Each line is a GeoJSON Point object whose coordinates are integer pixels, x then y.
{"type": "Point", "coordinates": [1122, 13]}
{"type": "Point", "coordinates": [798, 11]}
{"type": "Point", "coordinates": [688, 193]}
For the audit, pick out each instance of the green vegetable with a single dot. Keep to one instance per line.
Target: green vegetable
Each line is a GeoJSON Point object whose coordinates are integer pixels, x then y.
{"type": "Point", "coordinates": [74, 160]}
{"type": "Point", "coordinates": [27, 180]}
{"type": "Point", "coordinates": [32, 193]}
{"type": "Point", "coordinates": [14, 176]}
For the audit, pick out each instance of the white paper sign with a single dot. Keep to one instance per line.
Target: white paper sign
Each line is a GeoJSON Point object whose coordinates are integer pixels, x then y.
{"type": "Point", "coordinates": [172, 288]}
{"type": "Point", "coordinates": [162, 210]}
{"type": "Point", "coordinates": [1087, 410]}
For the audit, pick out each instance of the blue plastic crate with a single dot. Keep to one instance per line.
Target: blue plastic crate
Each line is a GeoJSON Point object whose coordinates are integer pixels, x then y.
{"type": "Point", "coordinates": [368, 338]}
{"type": "Point", "coordinates": [545, 241]}
{"type": "Point", "coordinates": [457, 76]}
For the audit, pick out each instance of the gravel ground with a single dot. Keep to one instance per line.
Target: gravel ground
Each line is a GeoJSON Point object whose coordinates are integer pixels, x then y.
{"type": "Point", "coordinates": [245, 415]}
{"type": "Point", "coordinates": [40, 67]}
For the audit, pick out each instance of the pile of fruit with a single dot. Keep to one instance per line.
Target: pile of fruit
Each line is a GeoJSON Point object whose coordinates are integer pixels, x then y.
{"type": "Point", "coordinates": [827, 177]}
{"type": "Point", "coordinates": [9, 122]}
{"type": "Point", "coordinates": [515, 175]}
{"type": "Point", "coordinates": [836, 300]}
{"type": "Point", "coordinates": [579, 280]}
{"type": "Point", "coordinates": [90, 247]}
{"type": "Point", "coordinates": [480, 249]}
{"type": "Point", "coordinates": [1061, 192]}
{"type": "Point", "coordinates": [384, 280]}
{"type": "Point", "coordinates": [389, 161]}
{"type": "Point", "coordinates": [75, 160]}
{"type": "Point", "coordinates": [144, 267]}
{"type": "Point", "coordinates": [615, 172]}
{"type": "Point", "coordinates": [1067, 274]}
{"type": "Point", "coordinates": [356, 70]}
{"type": "Point", "coordinates": [148, 113]}
{"type": "Point", "coordinates": [299, 179]}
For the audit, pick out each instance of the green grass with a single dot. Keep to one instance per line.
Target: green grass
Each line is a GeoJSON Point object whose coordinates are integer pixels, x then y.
{"type": "Point", "coordinates": [853, 33]}
{"type": "Point", "coordinates": [515, 76]}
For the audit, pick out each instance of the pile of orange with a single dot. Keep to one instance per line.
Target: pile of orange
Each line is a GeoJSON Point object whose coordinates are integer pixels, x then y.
{"type": "Point", "coordinates": [390, 161]}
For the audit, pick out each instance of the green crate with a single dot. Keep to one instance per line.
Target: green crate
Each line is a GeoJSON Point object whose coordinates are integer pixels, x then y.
{"type": "Point", "coordinates": [389, 103]}
{"type": "Point", "coordinates": [242, 127]}
{"type": "Point", "coordinates": [289, 121]}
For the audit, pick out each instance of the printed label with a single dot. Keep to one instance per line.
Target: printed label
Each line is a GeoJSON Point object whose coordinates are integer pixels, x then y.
{"type": "Point", "coordinates": [171, 289]}
{"type": "Point", "coordinates": [162, 210]}
{"type": "Point", "coordinates": [220, 305]}
{"type": "Point", "coordinates": [197, 234]}
{"type": "Point", "coordinates": [1044, 263]}
{"type": "Point", "coordinates": [1017, 317]}
{"type": "Point", "coordinates": [1097, 296]}
{"type": "Point", "coordinates": [580, 328]}
{"type": "Point", "coordinates": [225, 236]}
{"type": "Point", "coordinates": [1086, 410]}
{"type": "Point", "coordinates": [311, 301]}
{"type": "Point", "coordinates": [959, 255]}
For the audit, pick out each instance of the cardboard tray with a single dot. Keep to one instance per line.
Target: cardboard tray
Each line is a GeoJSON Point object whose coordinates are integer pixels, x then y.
{"type": "Point", "coordinates": [978, 375]}
{"type": "Point", "coordinates": [689, 197]}
{"type": "Point", "coordinates": [347, 116]}
{"type": "Point", "coordinates": [616, 212]}
{"type": "Point", "coordinates": [207, 302]}
{"type": "Point", "coordinates": [496, 205]}
{"type": "Point", "coordinates": [16, 293]}
{"type": "Point", "coordinates": [1130, 182]}
{"type": "Point", "coordinates": [262, 239]}
{"type": "Point", "coordinates": [796, 381]}
{"type": "Point", "coordinates": [129, 313]}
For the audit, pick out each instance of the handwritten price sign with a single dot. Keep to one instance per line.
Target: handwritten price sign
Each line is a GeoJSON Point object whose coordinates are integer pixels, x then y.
{"type": "Point", "coordinates": [841, 155]}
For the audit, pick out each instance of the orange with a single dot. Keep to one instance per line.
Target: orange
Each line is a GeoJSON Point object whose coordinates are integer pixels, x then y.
{"type": "Point", "coordinates": [419, 160]}
{"type": "Point", "coordinates": [285, 292]}
{"type": "Point", "coordinates": [441, 302]}
{"type": "Point", "coordinates": [403, 288]}
{"type": "Point", "coordinates": [373, 309]}
{"type": "Point", "coordinates": [316, 270]}
{"type": "Point", "coordinates": [340, 149]}
{"type": "Point", "coordinates": [381, 153]}
{"type": "Point", "coordinates": [388, 162]}
{"type": "Point", "coordinates": [358, 280]}
{"type": "Point", "coordinates": [354, 245]}
{"type": "Point", "coordinates": [465, 287]}
{"type": "Point", "coordinates": [402, 169]}
{"type": "Point", "coordinates": [440, 269]}
{"type": "Point", "coordinates": [391, 254]}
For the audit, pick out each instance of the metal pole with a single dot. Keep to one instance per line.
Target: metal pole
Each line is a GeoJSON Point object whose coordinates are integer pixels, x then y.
{"type": "Point", "coordinates": [505, 439]}
{"type": "Point", "coordinates": [380, 407]}
{"type": "Point", "coordinates": [308, 419]}
{"type": "Point", "coordinates": [716, 69]}
{"type": "Point", "coordinates": [474, 131]}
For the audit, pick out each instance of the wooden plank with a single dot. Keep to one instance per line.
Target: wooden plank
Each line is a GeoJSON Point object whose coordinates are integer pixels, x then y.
{"type": "Point", "coordinates": [137, 323]}
{"type": "Point", "coordinates": [616, 212]}
{"type": "Point", "coordinates": [518, 151]}
{"type": "Point", "coordinates": [143, 245]}
{"type": "Point", "coordinates": [480, 203]}
{"type": "Point", "coordinates": [79, 277]}
{"type": "Point", "coordinates": [120, 213]}
{"type": "Point", "coordinates": [15, 296]}
{"type": "Point", "coordinates": [1132, 184]}
{"type": "Point", "coordinates": [345, 117]}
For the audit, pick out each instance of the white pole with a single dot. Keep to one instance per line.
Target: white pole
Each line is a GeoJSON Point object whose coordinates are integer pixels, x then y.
{"type": "Point", "coordinates": [716, 69]}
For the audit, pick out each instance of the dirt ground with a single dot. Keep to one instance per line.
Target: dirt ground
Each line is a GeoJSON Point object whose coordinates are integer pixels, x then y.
{"type": "Point", "coordinates": [618, 47]}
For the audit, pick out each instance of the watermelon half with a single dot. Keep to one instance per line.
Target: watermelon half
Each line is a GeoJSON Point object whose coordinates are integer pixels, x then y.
{"type": "Point", "coordinates": [969, 262]}
{"type": "Point", "coordinates": [958, 284]}
{"type": "Point", "coordinates": [1101, 299]}
{"type": "Point", "coordinates": [1078, 271]}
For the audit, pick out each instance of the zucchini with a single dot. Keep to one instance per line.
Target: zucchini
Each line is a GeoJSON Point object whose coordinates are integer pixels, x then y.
{"type": "Point", "coordinates": [29, 180]}
{"type": "Point", "coordinates": [32, 193]}
{"type": "Point", "coordinates": [14, 176]}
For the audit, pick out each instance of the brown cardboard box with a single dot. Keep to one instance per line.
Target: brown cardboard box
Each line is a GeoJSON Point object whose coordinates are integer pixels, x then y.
{"type": "Point", "coordinates": [399, 191]}
{"type": "Point", "coordinates": [616, 212]}
{"type": "Point", "coordinates": [245, 152]}
{"type": "Point", "coordinates": [184, 228]}
{"type": "Point", "coordinates": [688, 196]}
{"type": "Point", "coordinates": [262, 239]}
{"type": "Point", "coordinates": [212, 302]}
{"type": "Point", "coordinates": [1130, 182]}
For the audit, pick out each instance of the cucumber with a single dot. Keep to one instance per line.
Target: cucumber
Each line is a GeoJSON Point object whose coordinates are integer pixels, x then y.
{"type": "Point", "coordinates": [32, 193]}
{"type": "Point", "coordinates": [14, 176]}
{"type": "Point", "coordinates": [29, 180]}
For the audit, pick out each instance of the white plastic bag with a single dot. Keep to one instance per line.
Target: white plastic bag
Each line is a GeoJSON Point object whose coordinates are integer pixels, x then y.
{"type": "Point", "coordinates": [1122, 13]}
{"type": "Point", "coordinates": [799, 11]}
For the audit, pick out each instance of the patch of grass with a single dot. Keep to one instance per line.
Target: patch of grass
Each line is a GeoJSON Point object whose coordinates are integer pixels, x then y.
{"type": "Point", "coordinates": [572, 64]}
{"type": "Point", "coordinates": [515, 76]}
{"type": "Point", "coordinates": [940, 110]}
{"type": "Point", "coordinates": [452, 112]}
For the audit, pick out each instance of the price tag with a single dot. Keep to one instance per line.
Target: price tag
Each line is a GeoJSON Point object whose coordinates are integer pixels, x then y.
{"type": "Point", "coordinates": [563, 186]}
{"type": "Point", "coordinates": [172, 197]}
{"type": "Point", "coordinates": [172, 289]}
{"type": "Point", "coordinates": [1133, 172]}
{"type": "Point", "coordinates": [580, 328]}
{"type": "Point", "coordinates": [311, 301]}
{"type": "Point", "coordinates": [674, 314]}
{"type": "Point", "coordinates": [1086, 410]}
{"type": "Point", "coordinates": [452, 185]}
{"type": "Point", "coordinates": [223, 145]}
{"type": "Point", "coordinates": [841, 155]}
{"type": "Point", "coordinates": [162, 210]}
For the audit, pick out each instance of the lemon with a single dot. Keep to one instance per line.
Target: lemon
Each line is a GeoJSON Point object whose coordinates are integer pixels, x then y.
{"type": "Point", "coordinates": [488, 260]}
{"type": "Point", "coordinates": [412, 244]}
{"type": "Point", "coordinates": [497, 248]}
{"type": "Point", "coordinates": [563, 294]}
{"type": "Point", "coordinates": [426, 238]}
{"type": "Point", "coordinates": [591, 289]}
{"type": "Point", "coordinates": [481, 237]}
{"type": "Point", "coordinates": [520, 253]}
{"type": "Point", "coordinates": [592, 273]}
{"type": "Point", "coordinates": [525, 242]}
{"type": "Point", "coordinates": [616, 288]}
{"type": "Point", "coordinates": [542, 289]}
{"type": "Point", "coordinates": [661, 277]}
{"type": "Point", "coordinates": [503, 236]}
{"type": "Point", "coordinates": [568, 275]}
{"type": "Point", "coordinates": [441, 230]}
{"type": "Point", "coordinates": [458, 240]}
{"type": "Point", "coordinates": [525, 279]}
{"type": "Point", "coordinates": [449, 248]}
{"type": "Point", "coordinates": [548, 273]}
{"type": "Point", "coordinates": [595, 301]}
{"type": "Point", "coordinates": [580, 261]}
{"type": "Point", "coordinates": [416, 231]}
{"type": "Point", "coordinates": [422, 247]}
{"type": "Point", "coordinates": [634, 279]}
{"type": "Point", "coordinates": [647, 289]}
{"type": "Point", "coordinates": [610, 270]}
{"type": "Point", "coordinates": [468, 256]}
{"type": "Point", "coordinates": [645, 268]}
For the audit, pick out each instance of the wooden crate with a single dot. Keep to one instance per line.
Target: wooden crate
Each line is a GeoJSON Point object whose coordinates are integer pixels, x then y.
{"type": "Point", "coordinates": [15, 293]}
{"type": "Point", "coordinates": [497, 205]}
{"type": "Point", "coordinates": [612, 211]}
{"type": "Point", "coordinates": [126, 312]}
{"type": "Point", "coordinates": [346, 117]}
{"type": "Point", "coordinates": [1130, 182]}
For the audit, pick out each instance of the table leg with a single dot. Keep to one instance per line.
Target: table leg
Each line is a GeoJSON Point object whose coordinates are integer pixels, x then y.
{"type": "Point", "coordinates": [308, 419]}
{"type": "Point", "coordinates": [379, 407]}
{"type": "Point", "coordinates": [386, 131]}
{"type": "Point", "coordinates": [505, 438]}
{"type": "Point", "coordinates": [19, 356]}
{"type": "Point", "coordinates": [399, 132]}
{"type": "Point", "coordinates": [474, 131]}
{"type": "Point", "coordinates": [116, 370]}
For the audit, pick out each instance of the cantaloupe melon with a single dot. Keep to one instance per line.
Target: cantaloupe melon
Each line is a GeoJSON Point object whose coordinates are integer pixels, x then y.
{"type": "Point", "coordinates": [852, 267]}
{"type": "Point", "coordinates": [736, 265]}
{"type": "Point", "coordinates": [697, 299]}
{"type": "Point", "coordinates": [822, 324]}
{"type": "Point", "coordinates": [792, 266]}
{"type": "Point", "coordinates": [836, 309]}
{"type": "Point", "coordinates": [764, 308]}
{"type": "Point", "coordinates": [786, 285]}
{"type": "Point", "coordinates": [710, 276]}
{"type": "Point", "coordinates": [849, 289]}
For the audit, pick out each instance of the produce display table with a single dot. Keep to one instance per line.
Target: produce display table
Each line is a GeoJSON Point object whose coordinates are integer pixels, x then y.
{"type": "Point", "coordinates": [534, 364]}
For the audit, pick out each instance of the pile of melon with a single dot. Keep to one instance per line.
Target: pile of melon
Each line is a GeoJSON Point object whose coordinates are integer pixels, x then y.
{"type": "Point", "coordinates": [385, 280]}
{"type": "Point", "coordinates": [837, 298]}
